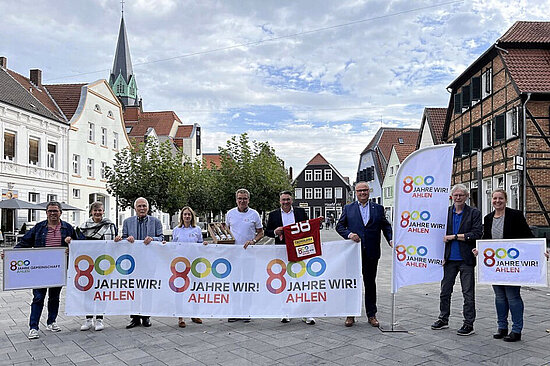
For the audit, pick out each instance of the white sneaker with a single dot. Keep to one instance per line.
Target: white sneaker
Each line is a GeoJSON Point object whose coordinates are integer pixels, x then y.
{"type": "Point", "coordinates": [99, 324]}
{"type": "Point", "coordinates": [309, 321]}
{"type": "Point", "coordinates": [285, 320]}
{"type": "Point", "coordinates": [53, 327]}
{"type": "Point", "coordinates": [87, 324]}
{"type": "Point", "coordinates": [33, 334]}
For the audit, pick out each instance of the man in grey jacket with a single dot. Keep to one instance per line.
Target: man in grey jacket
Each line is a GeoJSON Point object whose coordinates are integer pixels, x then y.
{"type": "Point", "coordinates": [141, 227]}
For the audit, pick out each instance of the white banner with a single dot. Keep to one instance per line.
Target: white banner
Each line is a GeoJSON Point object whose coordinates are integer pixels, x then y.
{"type": "Point", "coordinates": [420, 219]}
{"type": "Point", "coordinates": [512, 262]}
{"type": "Point", "coordinates": [216, 280]}
{"type": "Point", "coordinates": [34, 268]}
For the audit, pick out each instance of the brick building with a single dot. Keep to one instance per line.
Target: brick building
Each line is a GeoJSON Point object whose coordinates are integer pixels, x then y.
{"type": "Point", "coordinates": [498, 115]}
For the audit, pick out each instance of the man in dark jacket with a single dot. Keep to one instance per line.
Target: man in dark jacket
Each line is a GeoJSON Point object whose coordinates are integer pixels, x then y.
{"type": "Point", "coordinates": [49, 233]}
{"type": "Point", "coordinates": [463, 229]}
{"type": "Point", "coordinates": [286, 215]}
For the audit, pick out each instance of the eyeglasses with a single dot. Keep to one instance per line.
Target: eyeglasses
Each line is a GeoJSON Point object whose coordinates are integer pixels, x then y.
{"type": "Point", "coordinates": [361, 190]}
{"type": "Point", "coordinates": [53, 211]}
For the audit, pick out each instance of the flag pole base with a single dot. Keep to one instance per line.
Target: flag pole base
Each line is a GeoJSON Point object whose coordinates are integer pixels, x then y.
{"type": "Point", "coordinates": [389, 328]}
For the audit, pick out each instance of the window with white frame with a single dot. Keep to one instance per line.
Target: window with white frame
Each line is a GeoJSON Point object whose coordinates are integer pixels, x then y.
{"type": "Point", "coordinates": [498, 182]}
{"type": "Point", "coordinates": [486, 83]}
{"type": "Point", "coordinates": [33, 214]}
{"type": "Point", "coordinates": [9, 145]}
{"type": "Point", "coordinates": [317, 174]}
{"type": "Point", "coordinates": [338, 192]}
{"type": "Point", "coordinates": [51, 197]}
{"type": "Point", "coordinates": [76, 193]}
{"type": "Point", "coordinates": [308, 175]}
{"type": "Point", "coordinates": [76, 164]}
{"type": "Point", "coordinates": [512, 123]}
{"type": "Point", "coordinates": [487, 190]}
{"type": "Point", "coordinates": [52, 155]}
{"type": "Point", "coordinates": [90, 168]}
{"type": "Point", "coordinates": [309, 193]}
{"type": "Point", "coordinates": [328, 193]}
{"type": "Point", "coordinates": [34, 148]}
{"type": "Point", "coordinates": [102, 170]}
{"type": "Point", "coordinates": [318, 193]}
{"type": "Point", "coordinates": [328, 174]}
{"type": "Point", "coordinates": [91, 132]}
{"type": "Point", "coordinates": [487, 137]}
{"type": "Point", "coordinates": [298, 193]}
{"type": "Point", "coordinates": [115, 140]}
{"type": "Point", "coordinates": [103, 136]}
{"type": "Point", "coordinates": [512, 187]}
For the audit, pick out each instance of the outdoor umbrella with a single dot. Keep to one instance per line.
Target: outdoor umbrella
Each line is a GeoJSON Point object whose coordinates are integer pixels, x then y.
{"type": "Point", "coordinates": [17, 204]}
{"type": "Point", "coordinates": [64, 207]}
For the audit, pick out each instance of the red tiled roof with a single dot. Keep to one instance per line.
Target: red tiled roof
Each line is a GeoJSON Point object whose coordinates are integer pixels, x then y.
{"type": "Point", "coordinates": [403, 151]}
{"type": "Point", "coordinates": [210, 159]}
{"type": "Point", "coordinates": [529, 68]}
{"type": "Point", "coordinates": [184, 131]}
{"type": "Point", "coordinates": [162, 122]}
{"type": "Point", "coordinates": [318, 160]}
{"type": "Point", "coordinates": [38, 93]}
{"type": "Point", "coordinates": [436, 119]}
{"type": "Point", "coordinates": [67, 97]}
{"type": "Point", "coordinates": [385, 138]}
{"type": "Point", "coordinates": [527, 32]}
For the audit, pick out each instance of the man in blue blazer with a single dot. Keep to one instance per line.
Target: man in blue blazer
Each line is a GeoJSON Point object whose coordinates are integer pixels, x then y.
{"type": "Point", "coordinates": [141, 227]}
{"type": "Point", "coordinates": [363, 221]}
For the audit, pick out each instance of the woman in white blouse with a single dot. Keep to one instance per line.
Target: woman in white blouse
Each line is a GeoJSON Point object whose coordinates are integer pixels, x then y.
{"type": "Point", "coordinates": [187, 232]}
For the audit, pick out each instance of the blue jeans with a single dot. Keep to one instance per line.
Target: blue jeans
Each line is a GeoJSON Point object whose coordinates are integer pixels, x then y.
{"type": "Point", "coordinates": [509, 298]}
{"type": "Point", "coordinates": [37, 305]}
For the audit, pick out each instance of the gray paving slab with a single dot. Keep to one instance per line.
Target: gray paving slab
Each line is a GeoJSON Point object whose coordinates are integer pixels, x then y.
{"type": "Point", "coordinates": [269, 342]}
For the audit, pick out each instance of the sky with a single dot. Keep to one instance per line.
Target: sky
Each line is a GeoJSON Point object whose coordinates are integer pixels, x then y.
{"type": "Point", "coordinates": [307, 76]}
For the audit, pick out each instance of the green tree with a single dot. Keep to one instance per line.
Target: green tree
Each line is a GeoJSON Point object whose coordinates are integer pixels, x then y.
{"type": "Point", "coordinates": [151, 170]}
{"type": "Point", "coordinates": [254, 166]}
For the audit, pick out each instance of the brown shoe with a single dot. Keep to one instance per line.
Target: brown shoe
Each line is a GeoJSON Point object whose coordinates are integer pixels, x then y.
{"type": "Point", "coordinates": [196, 320]}
{"type": "Point", "coordinates": [373, 321]}
{"type": "Point", "coordinates": [181, 323]}
{"type": "Point", "coordinates": [349, 321]}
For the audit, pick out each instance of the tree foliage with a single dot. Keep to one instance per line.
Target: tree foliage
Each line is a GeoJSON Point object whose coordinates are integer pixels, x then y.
{"type": "Point", "coordinates": [155, 171]}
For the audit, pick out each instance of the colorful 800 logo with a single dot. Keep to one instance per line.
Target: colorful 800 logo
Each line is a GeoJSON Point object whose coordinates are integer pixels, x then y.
{"type": "Point", "coordinates": [409, 182]}
{"type": "Point", "coordinates": [500, 253]}
{"type": "Point", "coordinates": [407, 216]}
{"type": "Point", "coordinates": [192, 267]}
{"type": "Point", "coordinates": [402, 251]}
{"type": "Point", "coordinates": [288, 269]}
{"type": "Point", "coordinates": [14, 265]}
{"type": "Point", "coordinates": [87, 273]}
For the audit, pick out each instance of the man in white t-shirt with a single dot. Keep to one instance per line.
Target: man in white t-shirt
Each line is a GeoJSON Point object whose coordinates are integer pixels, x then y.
{"type": "Point", "coordinates": [245, 225]}
{"type": "Point", "coordinates": [244, 222]}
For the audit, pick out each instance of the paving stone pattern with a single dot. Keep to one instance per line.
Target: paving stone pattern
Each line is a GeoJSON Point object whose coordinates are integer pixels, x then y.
{"type": "Point", "coordinates": [269, 342]}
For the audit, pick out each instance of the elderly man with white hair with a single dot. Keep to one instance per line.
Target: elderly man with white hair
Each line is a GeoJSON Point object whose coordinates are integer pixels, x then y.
{"type": "Point", "coordinates": [463, 229]}
{"type": "Point", "coordinates": [141, 227]}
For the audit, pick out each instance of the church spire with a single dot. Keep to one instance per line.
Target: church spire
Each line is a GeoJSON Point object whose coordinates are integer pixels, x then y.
{"type": "Point", "coordinates": [122, 79]}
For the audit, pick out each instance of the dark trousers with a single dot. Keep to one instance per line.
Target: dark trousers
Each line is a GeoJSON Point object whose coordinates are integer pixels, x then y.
{"type": "Point", "coordinates": [369, 268]}
{"type": "Point", "coordinates": [450, 270]}
{"type": "Point", "coordinates": [37, 305]}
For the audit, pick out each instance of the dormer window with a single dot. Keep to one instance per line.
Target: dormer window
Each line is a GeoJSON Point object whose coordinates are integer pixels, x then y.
{"type": "Point", "coordinates": [400, 140]}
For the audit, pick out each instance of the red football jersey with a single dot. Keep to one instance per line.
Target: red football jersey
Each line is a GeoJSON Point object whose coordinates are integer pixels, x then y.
{"type": "Point", "coordinates": [303, 239]}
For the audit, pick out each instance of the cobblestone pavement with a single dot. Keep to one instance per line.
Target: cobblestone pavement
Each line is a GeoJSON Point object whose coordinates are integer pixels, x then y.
{"type": "Point", "coordinates": [269, 342]}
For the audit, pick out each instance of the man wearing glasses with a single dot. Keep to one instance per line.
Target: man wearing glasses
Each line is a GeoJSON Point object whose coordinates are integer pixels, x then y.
{"type": "Point", "coordinates": [463, 228]}
{"type": "Point", "coordinates": [245, 225]}
{"type": "Point", "coordinates": [363, 221]}
{"type": "Point", "coordinates": [49, 233]}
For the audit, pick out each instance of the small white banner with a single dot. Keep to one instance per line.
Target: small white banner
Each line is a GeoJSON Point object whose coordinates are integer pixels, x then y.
{"type": "Point", "coordinates": [216, 280]}
{"type": "Point", "coordinates": [516, 262]}
{"type": "Point", "coordinates": [34, 268]}
{"type": "Point", "coordinates": [419, 225]}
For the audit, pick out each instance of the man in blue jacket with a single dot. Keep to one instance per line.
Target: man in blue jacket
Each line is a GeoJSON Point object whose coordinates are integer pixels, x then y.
{"type": "Point", "coordinates": [49, 233]}
{"type": "Point", "coordinates": [141, 227]}
{"type": "Point", "coordinates": [363, 221]}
